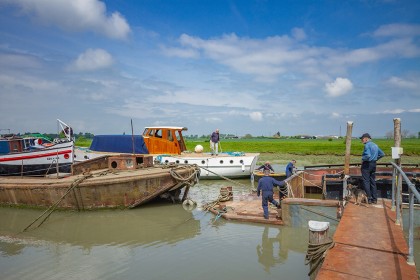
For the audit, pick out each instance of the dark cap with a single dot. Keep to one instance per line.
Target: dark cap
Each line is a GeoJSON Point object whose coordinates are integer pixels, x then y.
{"type": "Point", "coordinates": [365, 135]}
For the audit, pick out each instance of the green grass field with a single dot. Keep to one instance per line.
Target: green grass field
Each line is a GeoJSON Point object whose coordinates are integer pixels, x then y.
{"type": "Point", "coordinates": [306, 146]}
{"type": "Point", "coordinates": [311, 151]}
{"type": "Point", "coordinates": [305, 151]}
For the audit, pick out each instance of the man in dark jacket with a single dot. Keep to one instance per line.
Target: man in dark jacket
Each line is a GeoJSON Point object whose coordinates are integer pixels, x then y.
{"type": "Point", "coordinates": [214, 142]}
{"type": "Point", "coordinates": [265, 166]}
{"type": "Point", "coordinates": [265, 185]}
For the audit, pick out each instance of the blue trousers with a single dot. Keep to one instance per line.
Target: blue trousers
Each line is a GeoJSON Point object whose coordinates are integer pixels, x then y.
{"type": "Point", "coordinates": [369, 179]}
{"type": "Point", "coordinates": [267, 197]}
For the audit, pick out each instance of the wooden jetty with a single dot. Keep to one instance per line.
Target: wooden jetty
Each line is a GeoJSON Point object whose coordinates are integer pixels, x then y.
{"type": "Point", "coordinates": [368, 245]}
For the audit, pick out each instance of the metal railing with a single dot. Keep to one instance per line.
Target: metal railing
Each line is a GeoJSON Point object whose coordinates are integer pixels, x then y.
{"type": "Point", "coordinates": [396, 200]}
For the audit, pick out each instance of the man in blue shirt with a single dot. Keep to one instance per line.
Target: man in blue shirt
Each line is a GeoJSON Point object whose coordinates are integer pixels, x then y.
{"type": "Point", "coordinates": [371, 153]}
{"type": "Point", "coordinates": [289, 168]}
{"type": "Point", "coordinates": [265, 185]}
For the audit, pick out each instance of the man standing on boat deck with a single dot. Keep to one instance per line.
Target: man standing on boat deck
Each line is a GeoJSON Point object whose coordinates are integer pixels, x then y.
{"type": "Point", "coordinates": [214, 142]}
{"type": "Point", "coordinates": [290, 168]}
{"type": "Point", "coordinates": [371, 153]}
{"type": "Point", "coordinates": [265, 185]}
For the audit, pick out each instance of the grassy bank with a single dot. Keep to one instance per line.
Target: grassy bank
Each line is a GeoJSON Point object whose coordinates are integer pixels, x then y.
{"type": "Point", "coordinates": [305, 151]}
{"type": "Point", "coordinates": [311, 151]}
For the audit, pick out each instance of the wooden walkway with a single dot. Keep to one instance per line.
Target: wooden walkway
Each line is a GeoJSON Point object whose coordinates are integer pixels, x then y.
{"type": "Point", "coordinates": [368, 245]}
{"type": "Point", "coordinates": [248, 209]}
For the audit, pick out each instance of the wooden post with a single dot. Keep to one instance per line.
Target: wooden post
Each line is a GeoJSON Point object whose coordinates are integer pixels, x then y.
{"type": "Point", "coordinates": [397, 144]}
{"type": "Point", "coordinates": [347, 159]}
{"type": "Point", "coordinates": [348, 148]}
{"type": "Point", "coordinates": [318, 234]}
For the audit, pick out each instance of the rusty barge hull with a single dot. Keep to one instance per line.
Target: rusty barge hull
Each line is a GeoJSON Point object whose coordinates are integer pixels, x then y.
{"type": "Point", "coordinates": [99, 189]}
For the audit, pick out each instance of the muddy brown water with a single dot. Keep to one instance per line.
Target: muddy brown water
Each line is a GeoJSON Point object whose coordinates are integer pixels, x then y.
{"type": "Point", "coordinates": [159, 240]}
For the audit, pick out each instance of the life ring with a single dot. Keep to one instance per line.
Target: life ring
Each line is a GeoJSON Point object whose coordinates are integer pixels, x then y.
{"type": "Point", "coordinates": [189, 204]}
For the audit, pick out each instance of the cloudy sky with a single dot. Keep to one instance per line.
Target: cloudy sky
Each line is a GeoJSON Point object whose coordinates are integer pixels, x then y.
{"type": "Point", "coordinates": [258, 67]}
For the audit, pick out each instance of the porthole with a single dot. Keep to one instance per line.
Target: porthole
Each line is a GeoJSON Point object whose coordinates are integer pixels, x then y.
{"type": "Point", "coordinates": [114, 164]}
{"type": "Point", "coordinates": [241, 161]}
{"type": "Point", "coordinates": [186, 161]}
{"type": "Point", "coordinates": [166, 161]}
{"type": "Point", "coordinates": [231, 161]}
{"type": "Point", "coordinates": [203, 162]}
{"type": "Point", "coordinates": [221, 162]}
{"type": "Point", "coordinates": [177, 161]}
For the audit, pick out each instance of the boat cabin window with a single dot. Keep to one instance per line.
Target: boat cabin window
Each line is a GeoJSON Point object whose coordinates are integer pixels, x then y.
{"type": "Point", "coordinates": [178, 136]}
{"type": "Point", "coordinates": [170, 135]}
{"type": "Point", "coordinates": [158, 133]}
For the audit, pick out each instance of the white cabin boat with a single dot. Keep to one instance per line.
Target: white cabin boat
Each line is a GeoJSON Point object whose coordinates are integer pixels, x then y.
{"type": "Point", "coordinates": [167, 145]}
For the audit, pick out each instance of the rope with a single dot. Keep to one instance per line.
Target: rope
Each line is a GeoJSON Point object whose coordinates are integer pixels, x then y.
{"type": "Point", "coordinates": [191, 178]}
{"type": "Point", "coordinates": [320, 213]}
{"type": "Point", "coordinates": [223, 177]}
{"type": "Point", "coordinates": [316, 254]}
{"type": "Point", "coordinates": [223, 196]}
{"type": "Point", "coordinates": [51, 209]}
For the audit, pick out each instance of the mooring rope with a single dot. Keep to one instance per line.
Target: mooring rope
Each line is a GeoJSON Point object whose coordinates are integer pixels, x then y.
{"type": "Point", "coordinates": [190, 178]}
{"type": "Point", "coordinates": [223, 177]}
{"type": "Point", "coordinates": [316, 254]}
{"type": "Point", "coordinates": [320, 213]}
{"type": "Point", "coordinates": [52, 208]}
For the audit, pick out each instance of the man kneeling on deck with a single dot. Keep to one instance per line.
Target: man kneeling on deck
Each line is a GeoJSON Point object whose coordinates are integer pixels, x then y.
{"type": "Point", "coordinates": [265, 185]}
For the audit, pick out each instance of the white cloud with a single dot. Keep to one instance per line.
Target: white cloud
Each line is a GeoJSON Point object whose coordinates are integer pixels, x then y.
{"type": "Point", "coordinates": [256, 116]}
{"type": "Point", "coordinates": [339, 87]}
{"type": "Point", "coordinates": [92, 59]}
{"type": "Point", "coordinates": [401, 83]}
{"type": "Point", "coordinates": [76, 15]}
{"type": "Point", "coordinates": [335, 115]}
{"type": "Point", "coordinates": [213, 120]}
{"type": "Point", "coordinates": [398, 30]}
{"type": "Point", "coordinates": [394, 111]}
{"type": "Point", "coordinates": [400, 111]}
{"type": "Point", "coordinates": [270, 59]}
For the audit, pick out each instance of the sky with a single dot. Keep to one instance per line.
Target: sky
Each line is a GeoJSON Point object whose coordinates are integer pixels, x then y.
{"type": "Point", "coordinates": [245, 67]}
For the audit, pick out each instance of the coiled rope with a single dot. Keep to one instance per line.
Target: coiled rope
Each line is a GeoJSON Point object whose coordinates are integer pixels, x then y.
{"type": "Point", "coordinates": [223, 196]}
{"type": "Point", "coordinates": [191, 178]}
{"type": "Point", "coordinates": [316, 254]}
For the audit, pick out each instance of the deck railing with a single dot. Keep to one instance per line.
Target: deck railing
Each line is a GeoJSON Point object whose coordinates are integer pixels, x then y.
{"type": "Point", "coordinates": [396, 203]}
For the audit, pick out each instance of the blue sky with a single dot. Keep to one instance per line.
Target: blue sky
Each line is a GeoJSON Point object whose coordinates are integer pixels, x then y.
{"type": "Point", "coordinates": [257, 67]}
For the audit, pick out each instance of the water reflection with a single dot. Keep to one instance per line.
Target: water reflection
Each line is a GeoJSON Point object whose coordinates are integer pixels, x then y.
{"type": "Point", "coordinates": [265, 250]}
{"type": "Point", "coordinates": [156, 241]}
{"type": "Point", "coordinates": [148, 226]}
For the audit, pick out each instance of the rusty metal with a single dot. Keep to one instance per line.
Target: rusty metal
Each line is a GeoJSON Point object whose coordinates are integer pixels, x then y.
{"type": "Point", "coordinates": [368, 245]}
